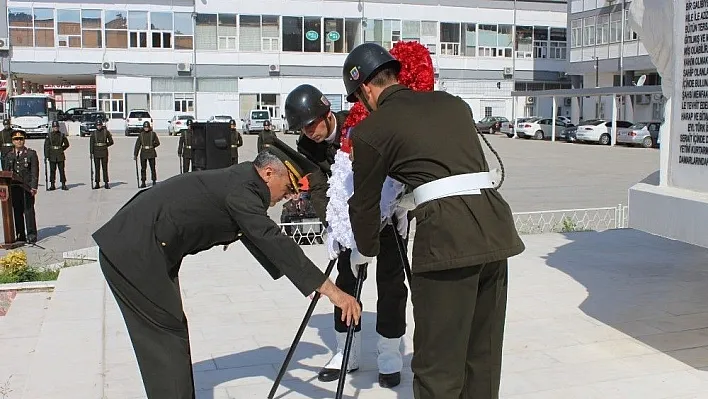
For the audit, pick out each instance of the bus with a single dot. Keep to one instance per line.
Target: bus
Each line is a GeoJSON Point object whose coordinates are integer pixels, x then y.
{"type": "Point", "coordinates": [32, 113]}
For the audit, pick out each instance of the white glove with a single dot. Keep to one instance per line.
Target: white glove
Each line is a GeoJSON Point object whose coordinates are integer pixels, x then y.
{"type": "Point", "coordinates": [332, 245]}
{"type": "Point", "coordinates": [356, 259]}
{"type": "Point", "coordinates": [402, 219]}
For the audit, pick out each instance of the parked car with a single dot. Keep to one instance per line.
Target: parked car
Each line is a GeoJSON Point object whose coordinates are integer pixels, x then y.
{"type": "Point", "coordinates": [73, 114]}
{"type": "Point", "coordinates": [88, 124]}
{"type": "Point", "coordinates": [220, 118]}
{"type": "Point", "coordinates": [509, 129]}
{"type": "Point", "coordinates": [645, 134]}
{"type": "Point", "coordinates": [597, 131]}
{"type": "Point", "coordinates": [136, 118]}
{"type": "Point", "coordinates": [255, 120]}
{"type": "Point", "coordinates": [178, 123]}
{"type": "Point", "coordinates": [541, 129]}
{"type": "Point", "coordinates": [491, 124]}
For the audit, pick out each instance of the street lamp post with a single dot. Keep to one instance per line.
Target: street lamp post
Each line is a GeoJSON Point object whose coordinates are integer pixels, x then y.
{"type": "Point", "coordinates": [513, 74]}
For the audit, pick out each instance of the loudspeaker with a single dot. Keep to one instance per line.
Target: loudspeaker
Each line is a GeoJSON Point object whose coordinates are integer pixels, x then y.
{"type": "Point", "coordinates": [211, 145]}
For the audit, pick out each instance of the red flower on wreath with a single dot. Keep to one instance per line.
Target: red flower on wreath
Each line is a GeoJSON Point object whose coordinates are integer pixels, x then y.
{"type": "Point", "coordinates": [416, 73]}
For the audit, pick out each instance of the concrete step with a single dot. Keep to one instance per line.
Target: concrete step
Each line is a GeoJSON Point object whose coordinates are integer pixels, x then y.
{"type": "Point", "coordinates": [19, 333]}
{"type": "Point", "coordinates": [68, 360]}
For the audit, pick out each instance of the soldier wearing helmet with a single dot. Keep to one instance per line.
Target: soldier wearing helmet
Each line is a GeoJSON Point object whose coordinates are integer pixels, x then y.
{"type": "Point", "coordinates": [184, 147]}
{"type": "Point", "coordinates": [5, 138]}
{"type": "Point", "coordinates": [99, 142]}
{"type": "Point", "coordinates": [145, 147]}
{"type": "Point", "coordinates": [54, 146]}
{"type": "Point", "coordinates": [465, 230]}
{"type": "Point", "coordinates": [236, 140]}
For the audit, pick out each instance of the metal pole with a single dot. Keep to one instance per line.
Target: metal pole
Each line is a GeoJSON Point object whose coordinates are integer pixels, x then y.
{"type": "Point", "coordinates": [621, 60]}
{"type": "Point", "coordinates": [350, 335]}
{"type": "Point", "coordinates": [513, 76]}
{"type": "Point", "coordinates": [194, 59]}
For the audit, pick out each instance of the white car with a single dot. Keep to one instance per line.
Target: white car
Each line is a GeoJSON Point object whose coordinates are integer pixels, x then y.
{"type": "Point", "coordinates": [178, 123]}
{"type": "Point", "coordinates": [541, 129]}
{"type": "Point", "coordinates": [220, 118]}
{"type": "Point", "coordinates": [136, 118]}
{"type": "Point", "coordinates": [598, 131]}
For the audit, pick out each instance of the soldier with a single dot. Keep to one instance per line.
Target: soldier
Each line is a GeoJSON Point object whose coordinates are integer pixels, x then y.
{"type": "Point", "coordinates": [54, 146]}
{"type": "Point", "coordinates": [308, 110]}
{"type": "Point", "coordinates": [145, 146]}
{"type": "Point", "coordinates": [236, 141]}
{"type": "Point", "coordinates": [465, 229]}
{"type": "Point", "coordinates": [141, 249]}
{"type": "Point", "coordinates": [25, 162]}
{"type": "Point", "coordinates": [5, 139]}
{"type": "Point", "coordinates": [184, 147]}
{"type": "Point", "coordinates": [100, 140]}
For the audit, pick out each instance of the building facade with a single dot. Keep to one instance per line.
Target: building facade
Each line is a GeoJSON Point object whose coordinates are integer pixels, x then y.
{"type": "Point", "coordinates": [605, 51]}
{"type": "Point", "coordinates": [227, 57]}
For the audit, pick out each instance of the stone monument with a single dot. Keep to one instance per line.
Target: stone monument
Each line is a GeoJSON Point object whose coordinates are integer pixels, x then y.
{"type": "Point", "coordinates": [675, 34]}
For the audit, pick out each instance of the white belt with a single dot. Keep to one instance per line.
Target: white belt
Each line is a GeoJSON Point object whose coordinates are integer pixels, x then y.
{"type": "Point", "coordinates": [465, 184]}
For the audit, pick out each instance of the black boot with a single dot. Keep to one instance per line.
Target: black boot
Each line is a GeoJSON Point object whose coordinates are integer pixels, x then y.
{"type": "Point", "coordinates": [64, 187]}
{"type": "Point", "coordinates": [96, 186]}
{"type": "Point", "coordinates": [389, 380]}
{"type": "Point", "coordinates": [154, 182]}
{"type": "Point", "coordinates": [142, 185]}
{"type": "Point", "coordinates": [107, 186]}
{"type": "Point", "coordinates": [52, 187]}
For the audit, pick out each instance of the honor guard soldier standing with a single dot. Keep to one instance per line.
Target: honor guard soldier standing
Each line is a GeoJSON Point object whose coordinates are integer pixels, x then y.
{"type": "Point", "coordinates": [5, 139]}
{"type": "Point", "coordinates": [25, 162]}
{"type": "Point", "coordinates": [184, 147]}
{"type": "Point", "coordinates": [309, 111]}
{"type": "Point", "coordinates": [141, 250]}
{"type": "Point", "coordinates": [145, 146]}
{"type": "Point", "coordinates": [54, 146]}
{"type": "Point", "coordinates": [236, 141]}
{"type": "Point", "coordinates": [462, 240]}
{"type": "Point", "coordinates": [99, 142]}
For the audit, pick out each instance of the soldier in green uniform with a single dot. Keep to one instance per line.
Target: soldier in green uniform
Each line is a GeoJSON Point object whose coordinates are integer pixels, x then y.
{"type": "Point", "coordinates": [465, 229]}
{"type": "Point", "coordinates": [236, 141]}
{"type": "Point", "coordinates": [5, 139]}
{"type": "Point", "coordinates": [99, 142]}
{"type": "Point", "coordinates": [309, 111]}
{"type": "Point", "coordinates": [145, 146]}
{"type": "Point", "coordinates": [184, 147]}
{"type": "Point", "coordinates": [54, 146]}
{"type": "Point", "coordinates": [25, 162]}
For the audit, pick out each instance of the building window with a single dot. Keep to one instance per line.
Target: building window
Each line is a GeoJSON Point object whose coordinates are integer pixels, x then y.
{"type": "Point", "coordinates": [487, 40]}
{"type": "Point", "coordinates": [629, 34]}
{"type": "Point", "coordinates": [540, 42]}
{"type": "Point", "coordinates": [250, 32]}
{"type": "Point", "coordinates": [20, 21]}
{"type": "Point", "coordinates": [205, 33]}
{"type": "Point", "coordinates": [161, 29]}
{"type": "Point", "coordinates": [228, 32]}
{"type": "Point", "coordinates": [69, 28]}
{"type": "Point", "coordinates": [505, 40]}
{"type": "Point", "coordinates": [373, 32]}
{"type": "Point", "coordinates": [313, 34]}
{"type": "Point", "coordinates": [172, 94]}
{"type": "Point", "coordinates": [91, 35]}
{"type": "Point", "coordinates": [352, 32]}
{"type": "Point", "coordinates": [184, 102]}
{"type": "Point", "coordinates": [391, 33]}
{"type": "Point", "coordinates": [524, 42]}
{"type": "Point", "coordinates": [589, 31]}
{"type": "Point", "coordinates": [487, 112]}
{"type": "Point", "coordinates": [559, 44]}
{"type": "Point", "coordinates": [429, 35]}
{"type": "Point", "coordinates": [217, 85]}
{"type": "Point", "coordinates": [116, 26]}
{"type": "Point", "coordinates": [112, 104]}
{"type": "Point", "coordinates": [137, 29]}
{"type": "Point", "coordinates": [449, 38]}
{"type": "Point", "coordinates": [184, 31]}
{"type": "Point", "coordinates": [292, 34]}
{"type": "Point", "coordinates": [334, 35]}
{"type": "Point", "coordinates": [44, 27]}
{"type": "Point", "coordinates": [615, 27]}
{"type": "Point", "coordinates": [576, 31]}
{"type": "Point", "coordinates": [410, 31]}
{"type": "Point", "coordinates": [469, 40]}
{"type": "Point", "coordinates": [603, 29]}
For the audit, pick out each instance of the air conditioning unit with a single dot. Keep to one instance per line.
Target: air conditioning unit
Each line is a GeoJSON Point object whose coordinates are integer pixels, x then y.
{"type": "Point", "coordinates": [108, 66]}
{"type": "Point", "coordinates": [508, 71]}
{"type": "Point", "coordinates": [184, 67]}
{"type": "Point", "coordinates": [274, 68]}
{"type": "Point", "coordinates": [568, 101]}
{"type": "Point", "coordinates": [4, 43]}
{"type": "Point", "coordinates": [530, 100]}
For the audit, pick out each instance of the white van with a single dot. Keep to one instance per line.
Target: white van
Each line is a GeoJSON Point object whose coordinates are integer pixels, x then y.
{"type": "Point", "coordinates": [256, 117]}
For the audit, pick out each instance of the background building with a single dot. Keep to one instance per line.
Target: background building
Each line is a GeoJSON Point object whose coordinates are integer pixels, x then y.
{"type": "Point", "coordinates": [231, 56]}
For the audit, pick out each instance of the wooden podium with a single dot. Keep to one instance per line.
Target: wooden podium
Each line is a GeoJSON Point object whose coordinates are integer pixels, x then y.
{"type": "Point", "coordinates": [7, 180]}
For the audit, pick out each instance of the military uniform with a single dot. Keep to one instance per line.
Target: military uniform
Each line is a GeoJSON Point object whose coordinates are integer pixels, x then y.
{"type": "Point", "coordinates": [142, 247]}
{"type": "Point", "coordinates": [24, 162]}
{"type": "Point", "coordinates": [145, 146]}
{"type": "Point", "coordinates": [462, 242]}
{"type": "Point", "coordinates": [184, 147]}
{"type": "Point", "coordinates": [6, 139]}
{"type": "Point", "coordinates": [304, 106]}
{"type": "Point", "coordinates": [236, 142]}
{"type": "Point", "coordinates": [54, 146]}
{"type": "Point", "coordinates": [99, 142]}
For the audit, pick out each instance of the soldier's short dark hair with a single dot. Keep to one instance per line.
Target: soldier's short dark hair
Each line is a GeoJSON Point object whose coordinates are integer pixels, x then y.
{"type": "Point", "coordinates": [385, 76]}
{"type": "Point", "coordinates": [266, 158]}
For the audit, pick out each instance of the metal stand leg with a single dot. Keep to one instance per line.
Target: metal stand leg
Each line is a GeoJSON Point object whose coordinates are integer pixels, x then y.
{"type": "Point", "coordinates": [299, 333]}
{"type": "Point", "coordinates": [350, 334]}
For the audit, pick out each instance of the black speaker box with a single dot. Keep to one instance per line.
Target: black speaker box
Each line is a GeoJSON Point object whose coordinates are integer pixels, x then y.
{"type": "Point", "coordinates": [211, 145]}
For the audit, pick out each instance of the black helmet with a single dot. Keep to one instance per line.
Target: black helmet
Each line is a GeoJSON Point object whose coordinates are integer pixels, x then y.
{"type": "Point", "coordinates": [6, 122]}
{"type": "Point", "coordinates": [266, 123]}
{"type": "Point", "coordinates": [55, 124]}
{"type": "Point", "coordinates": [146, 124]}
{"type": "Point", "coordinates": [232, 122]}
{"type": "Point", "coordinates": [189, 122]}
{"type": "Point", "coordinates": [304, 105]}
{"type": "Point", "coordinates": [361, 63]}
{"type": "Point", "coordinates": [99, 122]}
